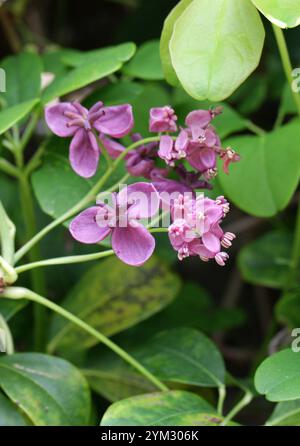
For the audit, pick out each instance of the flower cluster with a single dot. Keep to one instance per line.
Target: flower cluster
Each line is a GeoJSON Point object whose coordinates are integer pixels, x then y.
{"type": "Point", "coordinates": [196, 229]}
{"type": "Point", "coordinates": [176, 163]}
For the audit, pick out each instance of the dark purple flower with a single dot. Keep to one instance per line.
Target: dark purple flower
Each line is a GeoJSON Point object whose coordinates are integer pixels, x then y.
{"type": "Point", "coordinates": [139, 162]}
{"type": "Point", "coordinates": [131, 241]}
{"type": "Point", "coordinates": [73, 120]}
{"type": "Point", "coordinates": [162, 119]}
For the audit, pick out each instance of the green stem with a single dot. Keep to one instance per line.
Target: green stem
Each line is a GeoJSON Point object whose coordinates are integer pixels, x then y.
{"type": "Point", "coordinates": [23, 293]}
{"type": "Point", "coordinates": [286, 62]}
{"type": "Point", "coordinates": [255, 128]}
{"type": "Point", "coordinates": [8, 168]}
{"type": "Point", "coordinates": [64, 261]}
{"type": "Point", "coordinates": [153, 230]}
{"type": "Point", "coordinates": [222, 396]}
{"type": "Point", "coordinates": [37, 278]}
{"type": "Point", "coordinates": [236, 409]}
{"type": "Point", "coordinates": [29, 130]}
{"type": "Point", "coordinates": [84, 202]}
{"type": "Point", "coordinates": [103, 149]}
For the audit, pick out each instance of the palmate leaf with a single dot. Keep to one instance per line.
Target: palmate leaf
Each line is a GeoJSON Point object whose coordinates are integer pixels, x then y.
{"type": "Point", "coordinates": [111, 297]}
{"type": "Point", "coordinates": [215, 46]}
{"type": "Point", "coordinates": [48, 391]}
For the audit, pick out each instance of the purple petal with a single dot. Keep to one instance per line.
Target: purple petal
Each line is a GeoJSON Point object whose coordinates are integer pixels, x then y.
{"type": "Point", "coordinates": [197, 120]}
{"type": "Point", "coordinates": [113, 148]}
{"type": "Point", "coordinates": [165, 147]}
{"type": "Point", "coordinates": [139, 167]}
{"type": "Point", "coordinates": [85, 229]}
{"type": "Point", "coordinates": [202, 159]}
{"type": "Point", "coordinates": [144, 197]}
{"type": "Point", "coordinates": [116, 122]}
{"type": "Point", "coordinates": [196, 247]}
{"type": "Point", "coordinates": [57, 121]}
{"type": "Point", "coordinates": [211, 242]}
{"type": "Point", "coordinates": [182, 141]}
{"type": "Point", "coordinates": [133, 245]}
{"type": "Point", "coordinates": [84, 153]}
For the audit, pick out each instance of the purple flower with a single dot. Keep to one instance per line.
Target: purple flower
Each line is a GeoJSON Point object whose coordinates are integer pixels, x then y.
{"type": "Point", "coordinates": [162, 119]}
{"type": "Point", "coordinates": [196, 229]}
{"type": "Point", "coordinates": [229, 156]}
{"type": "Point", "coordinates": [73, 120]}
{"type": "Point", "coordinates": [170, 150]}
{"type": "Point", "coordinates": [131, 241]}
{"type": "Point", "coordinates": [139, 162]}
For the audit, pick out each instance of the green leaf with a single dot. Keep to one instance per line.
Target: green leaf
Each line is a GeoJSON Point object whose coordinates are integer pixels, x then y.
{"type": "Point", "coordinates": [264, 159]}
{"type": "Point", "coordinates": [50, 391]}
{"type": "Point", "coordinates": [153, 95]}
{"type": "Point", "coordinates": [112, 378]}
{"type": "Point", "coordinates": [251, 95]}
{"type": "Point", "coordinates": [80, 77]}
{"type": "Point", "coordinates": [114, 94]}
{"type": "Point", "coordinates": [174, 408]}
{"type": "Point", "coordinates": [166, 35]}
{"type": "Point", "coordinates": [111, 297]}
{"type": "Point", "coordinates": [215, 46]}
{"type": "Point", "coordinates": [52, 61]}
{"type": "Point", "coordinates": [288, 309]}
{"type": "Point", "coordinates": [118, 53]}
{"type": "Point", "coordinates": [9, 415]}
{"type": "Point", "coordinates": [285, 414]}
{"type": "Point", "coordinates": [184, 355]}
{"type": "Point", "coordinates": [278, 377]}
{"type": "Point", "coordinates": [192, 308]}
{"type": "Point", "coordinates": [285, 14]}
{"type": "Point", "coordinates": [146, 63]}
{"type": "Point", "coordinates": [10, 116]}
{"type": "Point", "coordinates": [57, 187]}
{"type": "Point", "coordinates": [23, 78]}
{"type": "Point", "coordinates": [266, 261]}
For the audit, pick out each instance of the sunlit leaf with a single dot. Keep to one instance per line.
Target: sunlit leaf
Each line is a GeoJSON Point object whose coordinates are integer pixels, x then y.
{"type": "Point", "coordinates": [215, 46]}
{"type": "Point", "coordinates": [283, 13]}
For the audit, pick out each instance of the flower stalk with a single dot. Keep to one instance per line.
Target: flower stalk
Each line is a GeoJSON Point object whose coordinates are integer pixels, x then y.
{"type": "Point", "coordinates": [23, 293]}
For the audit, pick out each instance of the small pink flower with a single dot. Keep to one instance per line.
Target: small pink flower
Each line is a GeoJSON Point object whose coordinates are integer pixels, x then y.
{"type": "Point", "coordinates": [162, 119]}
{"type": "Point", "coordinates": [73, 120]}
{"type": "Point", "coordinates": [196, 229]}
{"type": "Point", "coordinates": [131, 241]}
